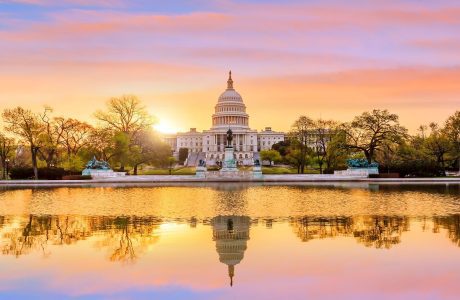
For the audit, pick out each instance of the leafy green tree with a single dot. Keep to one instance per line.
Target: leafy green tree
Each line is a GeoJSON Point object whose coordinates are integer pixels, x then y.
{"type": "Point", "coordinates": [336, 154]}
{"type": "Point", "coordinates": [171, 161]}
{"type": "Point", "coordinates": [368, 132]}
{"type": "Point", "coordinates": [7, 147]}
{"type": "Point", "coordinates": [452, 132]}
{"type": "Point", "coordinates": [121, 149]}
{"type": "Point", "coordinates": [148, 148]}
{"type": "Point", "coordinates": [74, 163]}
{"type": "Point", "coordinates": [183, 154]}
{"type": "Point", "coordinates": [272, 156]}
{"type": "Point", "coordinates": [296, 158]}
{"type": "Point", "coordinates": [438, 146]}
{"type": "Point", "coordinates": [323, 132]}
{"type": "Point", "coordinates": [282, 147]}
{"type": "Point", "coordinates": [301, 139]}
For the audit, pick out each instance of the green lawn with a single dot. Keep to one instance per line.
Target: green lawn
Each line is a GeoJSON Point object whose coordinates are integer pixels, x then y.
{"type": "Point", "coordinates": [178, 171]}
{"type": "Point", "coordinates": [285, 170]}
{"type": "Point", "coordinates": [191, 171]}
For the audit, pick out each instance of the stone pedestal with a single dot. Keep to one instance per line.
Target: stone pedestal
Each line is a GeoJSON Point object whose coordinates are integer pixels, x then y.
{"type": "Point", "coordinates": [257, 172]}
{"type": "Point", "coordinates": [97, 173]}
{"type": "Point", "coordinates": [201, 172]}
{"type": "Point", "coordinates": [365, 172]}
{"type": "Point", "coordinates": [229, 163]}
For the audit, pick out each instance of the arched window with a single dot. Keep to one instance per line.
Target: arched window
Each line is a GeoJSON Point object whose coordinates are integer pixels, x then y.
{"type": "Point", "coordinates": [241, 155]}
{"type": "Point", "coordinates": [246, 156]}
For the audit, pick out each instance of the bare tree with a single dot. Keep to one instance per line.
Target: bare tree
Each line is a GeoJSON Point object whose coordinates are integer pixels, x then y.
{"type": "Point", "coordinates": [75, 136]}
{"type": "Point", "coordinates": [29, 127]}
{"type": "Point", "coordinates": [101, 143]}
{"type": "Point", "coordinates": [53, 137]}
{"type": "Point", "coordinates": [125, 114]}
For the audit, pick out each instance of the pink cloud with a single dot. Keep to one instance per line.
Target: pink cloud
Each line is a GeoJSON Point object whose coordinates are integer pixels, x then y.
{"type": "Point", "coordinates": [108, 3]}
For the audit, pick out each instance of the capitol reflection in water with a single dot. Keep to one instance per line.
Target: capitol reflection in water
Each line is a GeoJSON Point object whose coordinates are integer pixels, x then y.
{"type": "Point", "coordinates": [243, 249]}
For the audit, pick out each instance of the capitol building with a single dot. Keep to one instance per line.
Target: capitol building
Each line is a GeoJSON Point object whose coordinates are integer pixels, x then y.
{"type": "Point", "coordinates": [209, 145]}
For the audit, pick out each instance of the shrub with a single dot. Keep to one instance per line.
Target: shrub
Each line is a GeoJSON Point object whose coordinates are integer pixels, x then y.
{"type": "Point", "coordinates": [43, 173]}
{"type": "Point", "coordinates": [384, 175]}
{"type": "Point", "coordinates": [76, 177]}
{"type": "Point", "coordinates": [22, 173]}
{"type": "Point", "coordinates": [51, 173]}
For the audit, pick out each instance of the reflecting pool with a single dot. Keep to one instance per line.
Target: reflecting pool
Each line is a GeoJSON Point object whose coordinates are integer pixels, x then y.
{"type": "Point", "coordinates": [231, 241]}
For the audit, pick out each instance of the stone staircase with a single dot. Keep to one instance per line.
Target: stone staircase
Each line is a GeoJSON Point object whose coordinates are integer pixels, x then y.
{"type": "Point", "coordinates": [193, 159]}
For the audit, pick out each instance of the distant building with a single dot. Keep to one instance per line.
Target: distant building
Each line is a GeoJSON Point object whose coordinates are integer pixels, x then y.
{"type": "Point", "coordinates": [229, 112]}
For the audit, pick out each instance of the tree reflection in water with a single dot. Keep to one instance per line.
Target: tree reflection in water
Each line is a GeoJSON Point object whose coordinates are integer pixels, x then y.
{"type": "Point", "coordinates": [127, 238]}
{"type": "Point", "coordinates": [122, 236]}
{"type": "Point", "coordinates": [452, 224]}
{"type": "Point", "coordinates": [372, 231]}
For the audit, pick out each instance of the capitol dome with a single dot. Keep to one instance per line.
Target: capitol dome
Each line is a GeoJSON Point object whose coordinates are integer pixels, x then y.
{"type": "Point", "coordinates": [230, 109]}
{"type": "Point", "coordinates": [230, 95]}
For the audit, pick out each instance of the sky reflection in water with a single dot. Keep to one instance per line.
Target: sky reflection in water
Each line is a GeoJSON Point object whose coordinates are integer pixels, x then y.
{"type": "Point", "coordinates": [230, 241]}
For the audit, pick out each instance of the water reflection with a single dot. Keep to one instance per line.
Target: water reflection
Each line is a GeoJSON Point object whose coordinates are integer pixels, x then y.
{"type": "Point", "coordinates": [452, 224]}
{"type": "Point", "coordinates": [126, 239]}
{"type": "Point", "coordinates": [104, 238]}
{"type": "Point", "coordinates": [371, 231]}
{"type": "Point", "coordinates": [231, 234]}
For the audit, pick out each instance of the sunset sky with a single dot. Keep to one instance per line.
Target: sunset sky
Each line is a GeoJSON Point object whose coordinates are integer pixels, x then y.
{"type": "Point", "coordinates": [328, 59]}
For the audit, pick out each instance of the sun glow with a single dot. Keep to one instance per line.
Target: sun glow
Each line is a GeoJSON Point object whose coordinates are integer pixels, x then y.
{"type": "Point", "coordinates": [165, 126]}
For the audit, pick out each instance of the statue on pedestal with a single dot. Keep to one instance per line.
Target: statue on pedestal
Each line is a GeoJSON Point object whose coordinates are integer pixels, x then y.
{"type": "Point", "coordinates": [95, 164]}
{"type": "Point", "coordinates": [229, 137]}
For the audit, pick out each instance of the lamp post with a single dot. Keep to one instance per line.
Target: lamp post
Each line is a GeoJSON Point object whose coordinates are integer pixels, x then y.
{"type": "Point", "coordinates": [7, 163]}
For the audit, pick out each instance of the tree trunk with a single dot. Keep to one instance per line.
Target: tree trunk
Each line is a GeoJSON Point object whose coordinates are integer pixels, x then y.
{"type": "Point", "coordinates": [320, 167]}
{"type": "Point", "coordinates": [443, 168]}
{"type": "Point", "coordinates": [34, 151]}
{"type": "Point", "coordinates": [3, 169]}
{"type": "Point", "coordinates": [368, 155]}
{"type": "Point", "coordinates": [135, 170]}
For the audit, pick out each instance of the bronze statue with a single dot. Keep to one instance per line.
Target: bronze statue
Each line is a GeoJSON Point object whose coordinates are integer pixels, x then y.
{"type": "Point", "coordinates": [229, 137]}
{"type": "Point", "coordinates": [95, 164]}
